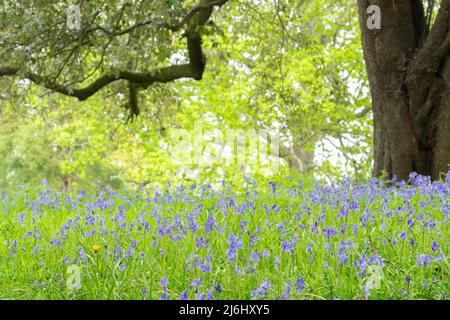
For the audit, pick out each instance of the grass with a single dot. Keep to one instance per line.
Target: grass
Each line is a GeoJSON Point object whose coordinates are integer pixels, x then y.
{"type": "Point", "coordinates": [292, 241]}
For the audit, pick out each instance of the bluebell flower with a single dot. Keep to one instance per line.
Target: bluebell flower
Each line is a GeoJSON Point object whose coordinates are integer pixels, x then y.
{"type": "Point", "coordinates": [199, 296]}
{"type": "Point", "coordinates": [234, 244]}
{"type": "Point", "coordinates": [343, 259]}
{"type": "Point", "coordinates": [309, 248]}
{"type": "Point", "coordinates": [218, 288]}
{"type": "Point", "coordinates": [277, 262]}
{"type": "Point", "coordinates": [184, 295]}
{"type": "Point", "coordinates": [366, 291]}
{"type": "Point", "coordinates": [423, 260]}
{"type": "Point", "coordinates": [209, 294]}
{"type": "Point", "coordinates": [196, 283]}
{"type": "Point", "coordinates": [164, 296]}
{"type": "Point", "coordinates": [439, 258]}
{"type": "Point", "coordinates": [403, 292]}
{"type": "Point", "coordinates": [209, 224]}
{"type": "Point", "coordinates": [164, 282]}
{"type": "Point", "coordinates": [287, 291]}
{"type": "Point", "coordinates": [300, 284]}
{"type": "Point", "coordinates": [288, 246]}
{"type": "Point", "coordinates": [435, 246]}
{"type": "Point", "coordinates": [263, 288]}
{"type": "Point", "coordinates": [361, 263]}
{"type": "Point", "coordinates": [329, 231]}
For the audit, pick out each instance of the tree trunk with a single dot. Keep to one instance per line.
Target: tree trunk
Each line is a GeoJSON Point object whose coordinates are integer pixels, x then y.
{"type": "Point", "coordinates": [408, 65]}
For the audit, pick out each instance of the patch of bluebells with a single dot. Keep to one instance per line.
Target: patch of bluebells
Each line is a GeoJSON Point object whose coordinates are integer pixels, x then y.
{"type": "Point", "coordinates": [216, 241]}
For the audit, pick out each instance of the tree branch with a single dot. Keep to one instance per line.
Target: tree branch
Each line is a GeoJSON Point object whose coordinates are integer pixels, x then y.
{"type": "Point", "coordinates": [196, 18]}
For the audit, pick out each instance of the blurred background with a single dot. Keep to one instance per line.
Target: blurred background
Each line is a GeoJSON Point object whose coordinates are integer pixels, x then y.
{"type": "Point", "coordinates": [291, 67]}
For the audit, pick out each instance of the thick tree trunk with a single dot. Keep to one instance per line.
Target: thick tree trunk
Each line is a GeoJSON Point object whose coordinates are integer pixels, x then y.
{"type": "Point", "coordinates": [408, 66]}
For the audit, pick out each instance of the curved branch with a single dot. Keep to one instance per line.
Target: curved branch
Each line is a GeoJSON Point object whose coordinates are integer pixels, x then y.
{"type": "Point", "coordinates": [196, 18]}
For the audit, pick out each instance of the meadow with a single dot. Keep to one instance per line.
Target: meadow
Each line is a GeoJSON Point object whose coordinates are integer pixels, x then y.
{"type": "Point", "coordinates": [288, 240]}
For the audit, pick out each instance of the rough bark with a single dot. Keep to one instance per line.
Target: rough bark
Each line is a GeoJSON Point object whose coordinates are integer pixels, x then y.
{"type": "Point", "coordinates": [408, 65]}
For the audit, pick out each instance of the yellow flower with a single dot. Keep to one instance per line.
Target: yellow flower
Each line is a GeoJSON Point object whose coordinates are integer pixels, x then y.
{"type": "Point", "coordinates": [96, 248]}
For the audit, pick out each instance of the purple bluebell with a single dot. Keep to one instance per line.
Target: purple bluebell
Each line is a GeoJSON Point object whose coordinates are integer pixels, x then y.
{"type": "Point", "coordinates": [184, 295]}
{"type": "Point", "coordinates": [300, 284]}
{"type": "Point", "coordinates": [164, 282]}
{"type": "Point", "coordinates": [277, 262]}
{"type": "Point", "coordinates": [343, 259]}
{"type": "Point", "coordinates": [423, 260]}
{"type": "Point", "coordinates": [435, 246]}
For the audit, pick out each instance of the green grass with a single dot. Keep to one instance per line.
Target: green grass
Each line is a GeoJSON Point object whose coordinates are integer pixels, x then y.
{"type": "Point", "coordinates": [261, 221]}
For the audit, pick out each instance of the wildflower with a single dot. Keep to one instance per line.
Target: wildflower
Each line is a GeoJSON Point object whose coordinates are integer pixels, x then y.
{"type": "Point", "coordinates": [196, 283]}
{"type": "Point", "coordinates": [234, 244]}
{"type": "Point", "coordinates": [423, 260]}
{"type": "Point", "coordinates": [184, 295]}
{"type": "Point", "coordinates": [288, 246]}
{"type": "Point", "coordinates": [366, 291]}
{"type": "Point", "coordinates": [329, 232]}
{"type": "Point", "coordinates": [209, 294]}
{"type": "Point", "coordinates": [287, 292]}
{"type": "Point", "coordinates": [254, 257]}
{"type": "Point", "coordinates": [300, 284]}
{"type": "Point", "coordinates": [404, 292]}
{"type": "Point", "coordinates": [361, 264]}
{"type": "Point", "coordinates": [164, 296]}
{"type": "Point", "coordinates": [263, 288]}
{"type": "Point", "coordinates": [439, 258]}
{"type": "Point", "coordinates": [209, 224]}
{"type": "Point", "coordinates": [343, 259]}
{"type": "Point", "coordinates": [164, 282]}
{"type": "Point", "coordinates": [435, 246]}
{"type": "Point", "coordinates": [199, 296]}
{"type": "Point", "coordinates": [96, 248]}
{"type": "Point", "coordinates": [273, 186]}
{"type": "Point", "coordinates": [277, 262]}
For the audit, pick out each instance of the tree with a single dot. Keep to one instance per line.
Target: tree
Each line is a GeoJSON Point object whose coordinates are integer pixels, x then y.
{"type": "Point", "coordinates": [115, 39]}
{"type": "Point", "coordinates": [408, 65]}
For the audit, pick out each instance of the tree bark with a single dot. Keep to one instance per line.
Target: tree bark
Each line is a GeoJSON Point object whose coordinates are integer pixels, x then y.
{"type": "Point", "coordinates": [408, 65]}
